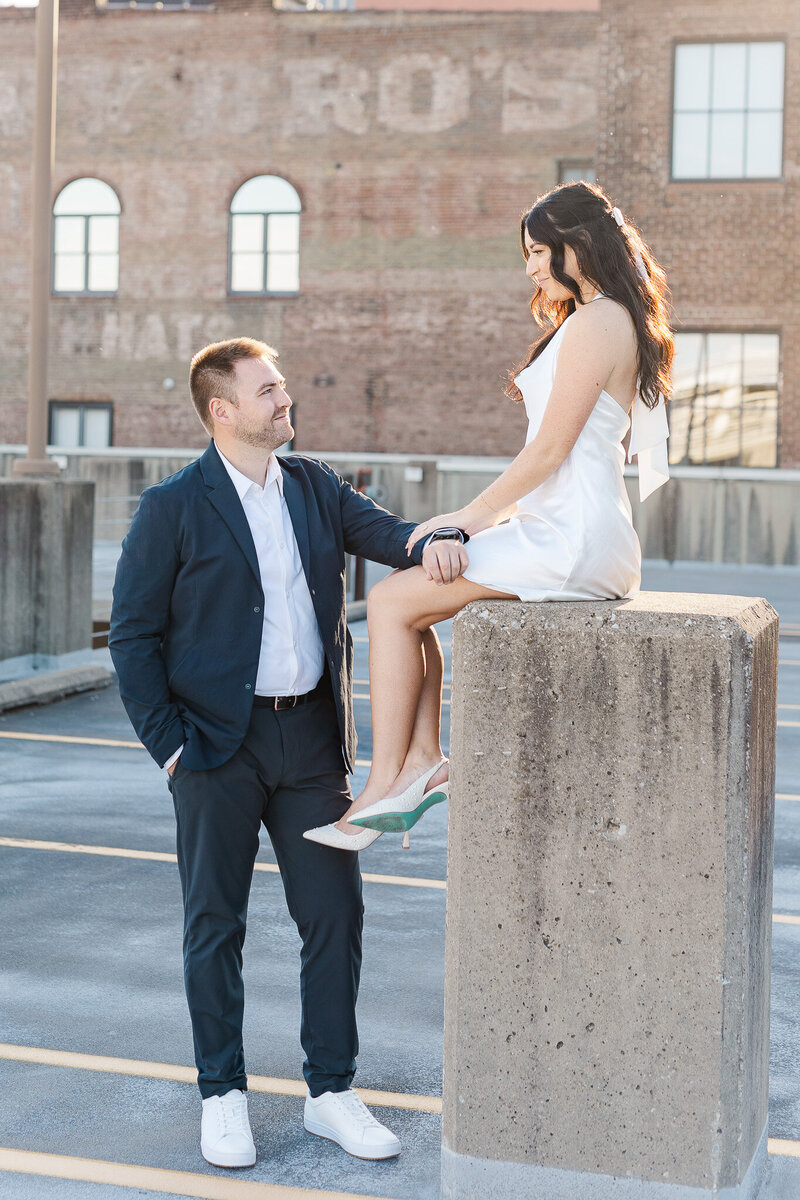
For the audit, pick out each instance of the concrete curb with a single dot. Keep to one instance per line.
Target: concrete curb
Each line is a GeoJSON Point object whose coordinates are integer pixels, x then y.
{"type": "Point", "coordinates": [52, 685]}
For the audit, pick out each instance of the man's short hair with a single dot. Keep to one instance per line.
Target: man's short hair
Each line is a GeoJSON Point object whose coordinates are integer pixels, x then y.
{"type": "Point", "coordinates": [213, 372]}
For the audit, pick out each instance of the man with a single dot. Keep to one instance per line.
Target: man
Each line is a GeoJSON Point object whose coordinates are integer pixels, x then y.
{"type": "Point", "coordinates": [229, 638]}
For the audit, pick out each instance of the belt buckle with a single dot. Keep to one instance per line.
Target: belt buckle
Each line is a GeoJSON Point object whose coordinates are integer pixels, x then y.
{"type": "Point", "coordinates": [282, 702]}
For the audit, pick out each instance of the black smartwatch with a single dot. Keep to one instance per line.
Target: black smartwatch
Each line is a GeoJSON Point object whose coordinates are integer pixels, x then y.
{"type": "Point", "coordinates": [446, 534]}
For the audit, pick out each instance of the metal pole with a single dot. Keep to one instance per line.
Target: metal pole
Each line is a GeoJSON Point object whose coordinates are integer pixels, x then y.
{"type": "Point", "coordinates": [37, 462]}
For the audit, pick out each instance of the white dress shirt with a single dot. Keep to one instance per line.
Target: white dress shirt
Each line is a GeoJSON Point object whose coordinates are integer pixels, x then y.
{"type": "Point", "coordinates": [291, 657]}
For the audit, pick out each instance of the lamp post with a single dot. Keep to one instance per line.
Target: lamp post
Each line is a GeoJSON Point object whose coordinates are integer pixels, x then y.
{"type": "Point", "coordinates": [37, 462]}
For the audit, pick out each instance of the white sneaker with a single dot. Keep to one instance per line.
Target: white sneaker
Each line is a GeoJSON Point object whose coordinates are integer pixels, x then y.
{"type": "Point", "coordinates": [344, 1118]}
{"type": "Point", "coordinates": [225, 1137]}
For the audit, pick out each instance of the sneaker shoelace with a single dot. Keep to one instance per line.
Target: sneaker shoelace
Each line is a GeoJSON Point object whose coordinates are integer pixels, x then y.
{"type": "Point", "coordinates": [234, 1114]}
{"type": "Point", "coordinates": [354, 1106]}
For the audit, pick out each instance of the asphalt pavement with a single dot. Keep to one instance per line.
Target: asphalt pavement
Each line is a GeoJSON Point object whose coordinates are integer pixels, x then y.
{"type": "Point", "coordinates": [91, 962]}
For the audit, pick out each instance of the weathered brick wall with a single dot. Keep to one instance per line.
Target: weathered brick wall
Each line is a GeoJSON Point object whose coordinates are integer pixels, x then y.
{"type": "Point", "coordinates": [731, 250]}
{"type": "Point", "coordinates": [414, 140]}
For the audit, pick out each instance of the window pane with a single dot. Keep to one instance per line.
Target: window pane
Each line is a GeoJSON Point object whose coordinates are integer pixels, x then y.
{"type": "Point", "coordinates": [86, 196]}
{"type": "Point", "coordinates": [690, 146]}
{"type": "Point", "coordinates": [247, 272]}
{"type": "Point", "coordinates": [283, 233]}
{"type": "Point", "coordinates": [69, 235]}
{"type": "Point", "coordinates": [761, 355]}
{"type": "Point", "coordinates": [66, 426]}
{"type": "Point", "coordinates": [687, 408]}
{"type": "Point", "coordinates": [688, 366]}
{"type": "Point", "coordinates": [266, 193]}
{"type": "Point", "coordinates": [103, 272]}
{"type": "Point", "coordinates": [724, 398]}
{"type": "Point", "coordinates": [679, 414]}
{"type": "Point", "coordinates": [692, 77]}
{"type": "Point", "coordinates": [728, 75]}
{"type": "Point", "coordinates": [103, 235]}
{"type": "Point", "coordinates": [96, 427]}
{"type": "Point", "coordinates": [724, 352]}
{"type": "Point", "coordinates": [764, 145]}
{"type": "Point", "coordinates": [722, 437]}
{"type": "Point", "coordinates": [765, 83]}
{"type": "Point", "coordinates": [577, 171]}
{"type": "Point", "coordinates": [760, 435]}
{"type": "Point", "coordinates": [727, 146]}
{"type": "Point", "coordinates": [69, 273]}
{"type": "Point", "coordinates": [283, 272]}
{"type": "Point", "coordinates": [247, 234]}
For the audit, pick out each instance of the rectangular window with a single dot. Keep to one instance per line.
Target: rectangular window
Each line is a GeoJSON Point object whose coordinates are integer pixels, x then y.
{"type": "Point", "coordinates": [265, 253]}
{"type": "Point", "coordinates": [728, 111]}
{"type": "Point", "coordinates": [724, 409]}
{"type": "Point", "coordinates": [86, 254]}
{"type": "Point", "coordinates": [73, 423]}
{"type": "Point", "coordinates": [573, 169]}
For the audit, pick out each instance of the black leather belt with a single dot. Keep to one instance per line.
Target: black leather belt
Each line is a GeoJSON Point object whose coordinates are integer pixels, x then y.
{"type": "Point", "coordinates": [279, 703]}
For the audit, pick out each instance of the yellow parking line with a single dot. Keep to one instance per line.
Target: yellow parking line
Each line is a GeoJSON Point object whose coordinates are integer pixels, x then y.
{"type": "Point", "coordinates": [179, 1074]}
{"type": "Point", "coordinates": [156, 1179]}
{"type": "Point", "coordinates": [78, 741]}
{"type": "Point", "coordinates": [789, 724]}
{"type": "Point", "coordinates": [159, 856]}
{"type": "Point", "coordinates": [789, 662]}
{"type": "Point", "coordinates": [784, 919]}
{"type": "Point", "coordinates": [779, 706]}
{"type": "Point", "coordinates": [103, 851]}
{"type": "Point", "coordinates": [782, 1146]}
{"type": "Point", "coordinates": [787, 796]}
{"type": "Point", "coordinates": [201, 1187]}
{"type": "Point", "coordinates": [87, 741]}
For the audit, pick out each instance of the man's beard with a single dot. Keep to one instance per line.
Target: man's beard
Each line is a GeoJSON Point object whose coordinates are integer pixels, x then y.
{"type": "Point", "coordinates": [268, 438]}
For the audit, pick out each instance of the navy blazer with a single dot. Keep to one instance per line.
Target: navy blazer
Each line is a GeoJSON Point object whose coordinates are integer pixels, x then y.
{"type": "Point", "coordinates": [188, 604]}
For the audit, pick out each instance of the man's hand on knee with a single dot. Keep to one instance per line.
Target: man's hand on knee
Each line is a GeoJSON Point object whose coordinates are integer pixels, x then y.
{"type": "Point", "coordinates": [443, 561]}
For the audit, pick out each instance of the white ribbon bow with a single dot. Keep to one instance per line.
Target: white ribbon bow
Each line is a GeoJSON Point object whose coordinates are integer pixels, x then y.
{"type": "Point", "coordinates": [648, 441]}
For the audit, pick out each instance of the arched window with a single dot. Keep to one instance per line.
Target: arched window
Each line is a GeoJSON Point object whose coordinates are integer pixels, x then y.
{"type": "Point", "coordinates": [265, 237]}
{"type": "Point", "coordinates": [86, 239]}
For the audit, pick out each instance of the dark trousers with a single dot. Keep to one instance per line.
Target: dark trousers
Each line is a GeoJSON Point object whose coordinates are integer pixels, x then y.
{"type": "Point", "coordinates": [288, 773]}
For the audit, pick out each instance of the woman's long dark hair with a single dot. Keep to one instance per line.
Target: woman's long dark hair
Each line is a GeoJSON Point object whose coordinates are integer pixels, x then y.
{"type": "Point", "coordinates": [579, 215]}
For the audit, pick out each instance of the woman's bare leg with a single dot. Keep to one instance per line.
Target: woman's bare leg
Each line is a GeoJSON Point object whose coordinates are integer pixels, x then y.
{"type": "Point", "coordinates": [425, 746]}
{"type": "Point", "coordinates": [405, 673]}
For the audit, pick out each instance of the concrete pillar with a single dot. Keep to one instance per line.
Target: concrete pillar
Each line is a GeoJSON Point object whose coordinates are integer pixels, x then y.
{"type": "Point", "coordinates": [609, 899]}
{"type": "Point", "coordinates": [45, 574]}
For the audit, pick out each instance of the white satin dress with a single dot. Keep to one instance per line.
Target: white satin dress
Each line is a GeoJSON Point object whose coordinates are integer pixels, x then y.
{"type": "Point", "coordinates": [572, 537]}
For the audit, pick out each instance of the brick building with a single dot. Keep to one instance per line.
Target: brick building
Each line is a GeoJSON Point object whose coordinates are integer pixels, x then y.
{"type": "Point", "coordinates": [347, 185]}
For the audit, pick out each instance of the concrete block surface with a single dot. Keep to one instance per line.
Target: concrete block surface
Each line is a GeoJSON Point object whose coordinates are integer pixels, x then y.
{"type": "Point", "coordinates": [609, 896]}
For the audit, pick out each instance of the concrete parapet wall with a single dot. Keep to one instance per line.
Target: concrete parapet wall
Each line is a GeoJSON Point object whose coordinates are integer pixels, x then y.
{"type": "Point", "coordinates": [45, 573]}
{"type": "Point", "coordinates": [729, 515]}
{"type": "Point", "coordinates": [609, 899]}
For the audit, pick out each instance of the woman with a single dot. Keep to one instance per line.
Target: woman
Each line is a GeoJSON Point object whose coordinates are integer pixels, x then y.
{"type": "Point", "coordinates": [556, 525]}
